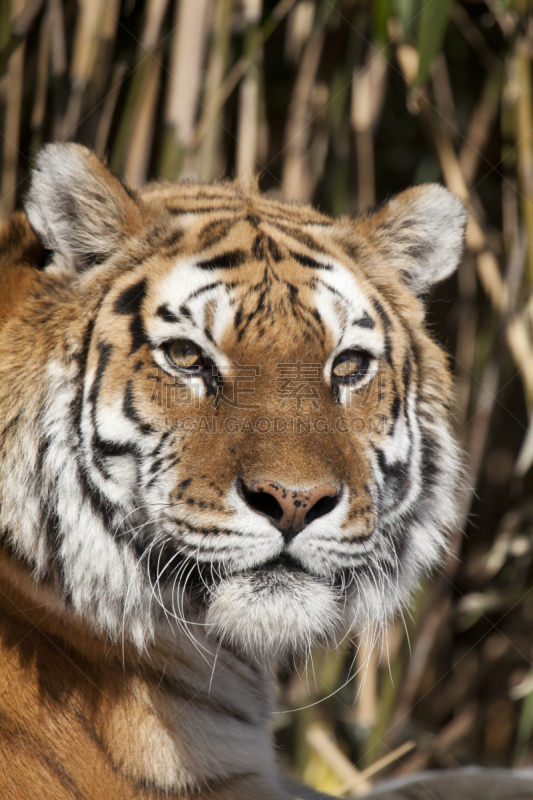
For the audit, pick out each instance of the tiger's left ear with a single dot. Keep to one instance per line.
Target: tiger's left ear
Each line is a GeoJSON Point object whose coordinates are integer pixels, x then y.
{"type": "Point", "coordinates": [421, 234]}
{"type": "Point", "coordinates": [78, 208]}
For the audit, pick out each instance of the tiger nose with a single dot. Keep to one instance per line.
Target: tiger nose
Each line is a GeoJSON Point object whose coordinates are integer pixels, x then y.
{"type": "Point", "coordinates": [288, 509]}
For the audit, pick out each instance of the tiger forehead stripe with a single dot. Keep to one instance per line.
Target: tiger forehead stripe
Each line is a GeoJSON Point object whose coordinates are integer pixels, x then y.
{"type": "Point", "coordinates": [307, 261]}
{"type": "Point", "coordinates": [228, 260]}
{"type": "Point", "coordinates": [216, 230]}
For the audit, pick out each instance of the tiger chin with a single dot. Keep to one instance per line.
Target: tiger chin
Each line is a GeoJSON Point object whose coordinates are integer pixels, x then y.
{"type": "Point", "coordinates": [224, 440]}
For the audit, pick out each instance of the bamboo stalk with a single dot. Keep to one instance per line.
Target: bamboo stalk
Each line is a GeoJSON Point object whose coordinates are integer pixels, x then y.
{"type": "Point", "coordinates": [233, 77]}
{"type": "Point", "coordinates": [58, 45]}
{"type": "Point", "coordinates": [355, 788]}
{"type": "Point", "coordinates": [299, 27]}
{"type": "Point", "coordinates": [317, 738]}
{"type": "Point", "coordinates": [247, 123]}
{"type": "Point", "coordinates": [184, 82]}
{"type": "Point", "coordinates": [467, 322]}
{"type": "Point", "coordinates": [84, 55]}
{"type": "Point", "coordinates": [15, 77]}
{"type": "Point", "coordinates": [368, 94]}
{"type": "Point", "coordinates": [108, 110]}
{"type": "Point", "coordinates": [5, 18]}
{"type": "Point", "coordinates": [355, 782]}
{"type": "Point", "coordinates": [473, 36]}
{"type": "Point", "coordinates": [442, 90]}
{"type": "Point", "coordinates": [367, 664]}
{"type": "Point", "coordinates": [319, 144]}
{"type": "Point", "coordinates": [43, 72]}
{"type": "Point", "coordinates": [99, 84]}
{"type": "Point", "coordinates": [524, 135]}
{"type": "Point", "coordinates": [59, 66]}
{"type": "Point", "coordinates": [119, 150]}
{"type": "Point", "coordinates": [487, 265]}
{"type": "Point", "coordinates": [210, 151]}
{"type": "Point", "coordinates": [456, 730]}
{"type": "Point", "coordinates": [479, 126]}
{"type": "Point", "coordinates": [139, 103]}
{"type": "Point", "coordinates": [16, 21]}
{"type": "Point", "coordinates": [139, 147]}
{"type": "Point", "coordinates": [295, 171]}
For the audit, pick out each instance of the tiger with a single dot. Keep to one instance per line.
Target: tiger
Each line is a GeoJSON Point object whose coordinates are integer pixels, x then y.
{"type": "Point", "coordinates": [225, 440]}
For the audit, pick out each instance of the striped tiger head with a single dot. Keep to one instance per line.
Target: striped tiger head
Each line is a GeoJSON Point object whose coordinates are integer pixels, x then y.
{"type": "Point", "coordinates": [224, 412]}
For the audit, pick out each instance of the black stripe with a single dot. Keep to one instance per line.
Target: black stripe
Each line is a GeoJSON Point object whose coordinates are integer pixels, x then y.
{"type": "Point", "coordinates": [106, 448]}
{"type": "Point", "coordinates": [260, 305]}
{"type": "Point", "coordinates": [130, 302]}
{"type": "Point", "coordinates": [174, 239]}
{"type": "Point", "coordinates": [387, 324]}
{"type": "Point", "coordinates": [314, 313]}
{"type": "Point", "coordinates": [57, 769]}
{"type": "Point", "coordinates": [203, 289]}
{"type": "Point", "coordinates": [8, 426]}
{"type": "Point", "coordinates": [365, 322]}
{"type": "Point", "coordinates": [229, 260]}
{"type": "Point", "coordinates": [396, 405]}
{"type": "Point", "coordinates": [406, 376]}
{"type": "Point", "coordinates": [138, 333]}
{"type": "Point", "coordinates": [128, 407]}
{"type": "Point", "coordinates": [42, 451]}
{"type": "Point", "coordinates": [103, 360]}
{"type": "Point", "coordinates": [302, 237]}
{"type": "Point", "coordinates": [101, 448]}
{"type": "Point", "coordinates": [186, 312]}
{"type": "Point", "coordinates": [330, 288]}
{"type": "Point", "coordinates": [99, 504]}
{"type": "Point", "coordinates": [306, 261]}
{"type": "Point", "coordinates": [216, 230]}
{"type": "Point", "coordinates": [274, 250]}
{"type": "Point", "coordinates": [131, 299]}
{"type": "Point", "coordinates": [201, 209]}
{"type": "Point", "coordinates": [383, 314]}
{"type": "Point", "coordinates": [397, 470]}
{"type": "Point", "coordinates": [165, 313]}
{"type": "Point", "coordinates": [259, 247]}
{"type": "Point", "coordinates": [159, 447]}
{"type": "Point", "coordinates": [430, 458]}
{"type": "Point", "coordinates": [155, 466]}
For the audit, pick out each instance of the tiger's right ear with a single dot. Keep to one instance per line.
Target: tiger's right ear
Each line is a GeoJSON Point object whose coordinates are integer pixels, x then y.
{"type": "Point", "coordinates": [77, 208]}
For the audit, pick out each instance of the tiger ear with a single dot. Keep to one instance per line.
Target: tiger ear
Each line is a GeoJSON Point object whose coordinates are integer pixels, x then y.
{"type": "Point", "coordinates": [77, 208]}
{"type": "Point", "coordinates": [421, 231]}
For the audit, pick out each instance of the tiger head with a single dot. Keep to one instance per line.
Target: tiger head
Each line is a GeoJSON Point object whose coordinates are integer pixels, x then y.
{"type": "Point", "coordinates": [226, 410]}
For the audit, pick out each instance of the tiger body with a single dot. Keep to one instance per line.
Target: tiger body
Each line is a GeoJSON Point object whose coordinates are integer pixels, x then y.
{"type": "Point", "coordinates": [157, 550]}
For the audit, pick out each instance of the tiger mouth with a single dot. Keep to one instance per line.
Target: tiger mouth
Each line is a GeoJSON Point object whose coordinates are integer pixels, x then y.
{"type": "Point", "coordinates": [281, 562]}
{"type": "Point", "coordinates": [203, 578]}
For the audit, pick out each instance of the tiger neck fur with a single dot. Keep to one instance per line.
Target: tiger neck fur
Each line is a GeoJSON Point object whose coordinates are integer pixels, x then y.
{"type": "Point", "coordinates": [127, 725]}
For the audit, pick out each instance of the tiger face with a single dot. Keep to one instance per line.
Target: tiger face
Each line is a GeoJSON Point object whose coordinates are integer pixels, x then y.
{"type": "Point", "coordinates": [234, 420]}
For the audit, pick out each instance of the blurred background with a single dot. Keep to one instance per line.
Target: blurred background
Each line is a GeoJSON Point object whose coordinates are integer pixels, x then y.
{"type": "Point", "coordinates": [342, 103]}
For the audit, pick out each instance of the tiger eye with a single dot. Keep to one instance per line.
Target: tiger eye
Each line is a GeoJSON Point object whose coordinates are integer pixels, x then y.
{"type": "Point", "coordinates": [350, 365]}
{"type": "Point", "coordinates": [184, 354]}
